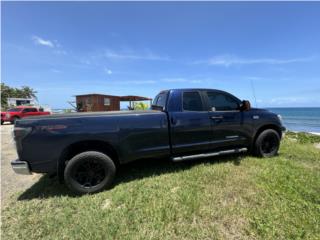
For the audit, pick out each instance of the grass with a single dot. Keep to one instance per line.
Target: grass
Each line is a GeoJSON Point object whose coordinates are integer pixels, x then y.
{"type": "Point", "coordinates": [235, 197]}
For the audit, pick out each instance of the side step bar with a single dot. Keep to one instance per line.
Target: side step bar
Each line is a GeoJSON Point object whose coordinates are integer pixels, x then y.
{"type": "Point", "coordinates": [205, 155]}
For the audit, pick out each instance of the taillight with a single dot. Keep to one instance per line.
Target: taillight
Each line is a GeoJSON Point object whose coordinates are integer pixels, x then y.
{"type": "Point", "coordinates": [20, 132]}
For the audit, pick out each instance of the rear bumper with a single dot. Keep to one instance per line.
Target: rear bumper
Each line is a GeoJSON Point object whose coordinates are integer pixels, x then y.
{"type": "Point", "coordinates": [20, 167]}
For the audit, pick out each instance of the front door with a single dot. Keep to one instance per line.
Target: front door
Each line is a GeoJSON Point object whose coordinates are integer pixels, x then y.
{"type": "Point", "coordinates": [190, 127]}
{"type": "Point", "coordinates": [226, 120]}
{"type": "Point", "coordinates": [29, 112]}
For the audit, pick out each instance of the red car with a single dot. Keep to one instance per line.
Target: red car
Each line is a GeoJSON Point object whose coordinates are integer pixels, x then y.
{"type": "Point", "coordinates": [21, 112]}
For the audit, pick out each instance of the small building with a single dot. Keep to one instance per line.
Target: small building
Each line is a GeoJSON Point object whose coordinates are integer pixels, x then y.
{"type": "Point", "coordinates": [100, 102]}
{"type": "Point", "coordinates": [12, 102]}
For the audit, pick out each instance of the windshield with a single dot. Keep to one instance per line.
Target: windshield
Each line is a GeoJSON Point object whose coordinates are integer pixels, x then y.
{"type": "Point", "coordinates": [14, 110]}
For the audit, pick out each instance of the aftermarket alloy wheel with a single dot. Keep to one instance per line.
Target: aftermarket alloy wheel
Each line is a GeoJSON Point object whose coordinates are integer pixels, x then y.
{"type": "Point", "coordinates": [89, 172]}
{"type": "Point", "coordinates": [267, 143]}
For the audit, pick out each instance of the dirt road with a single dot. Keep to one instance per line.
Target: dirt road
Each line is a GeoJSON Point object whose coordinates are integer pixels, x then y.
{"type": "Point", "coordinates": [11, 182]}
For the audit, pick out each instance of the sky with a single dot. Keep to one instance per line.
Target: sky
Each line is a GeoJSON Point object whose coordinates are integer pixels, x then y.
{"type": "Point", "coordinates": [268, 53]}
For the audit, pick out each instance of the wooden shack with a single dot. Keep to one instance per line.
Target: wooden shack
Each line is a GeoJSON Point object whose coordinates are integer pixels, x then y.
{"type": "Point", "coordinates": [97, 102]}
{"type": "Point", "coordinates": [100, 102]}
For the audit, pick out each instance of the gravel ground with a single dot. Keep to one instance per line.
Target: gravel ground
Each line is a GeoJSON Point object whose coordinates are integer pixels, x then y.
{"type": "Point", "coordinates": [11, 182]}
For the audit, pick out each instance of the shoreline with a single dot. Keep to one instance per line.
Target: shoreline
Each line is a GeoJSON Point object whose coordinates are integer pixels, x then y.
{"type": "Point", "coordinates": [313, 133]}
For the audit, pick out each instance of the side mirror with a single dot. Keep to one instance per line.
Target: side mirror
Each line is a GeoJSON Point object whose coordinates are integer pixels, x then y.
{"type": "Point", "coordinates": [156, 107]}
{"type": "Point", "coordinates": [245, 105]}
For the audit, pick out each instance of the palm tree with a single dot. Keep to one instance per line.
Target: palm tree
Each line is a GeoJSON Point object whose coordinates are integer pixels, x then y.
{"type": "Point", "coordinates": [10, 92]}
{"type": "Point", "coordinates": [28, 92]}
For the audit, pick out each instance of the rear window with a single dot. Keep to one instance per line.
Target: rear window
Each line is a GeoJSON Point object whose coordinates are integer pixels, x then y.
{"type": "Point", "coordinates": [192, 101]}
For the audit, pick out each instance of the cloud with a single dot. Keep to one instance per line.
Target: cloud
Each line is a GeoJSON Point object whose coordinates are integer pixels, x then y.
{"type": "Point", "coordinates": [108, 71]}
{"type": "Point", "coordinates": [277, 101]}
{"type": "Point", "coordinates": [253, 78]}
{"type": "Point", "coordinates": [229, 60]}
{"type": "Point", "coordinates": [60, 52]}
{"type": "Point", "coordinates": [174, 80]}
{"type": "Point", "coordinates": [138, 82]}
{"type": "Point", "coordinates": [131, 55]}
{"type": "Point", "coordinates": [55, 70]}
{"type": "Point", "coordinates": [40, 41]}
{"type": "Point", "coordinates": [181, 80]}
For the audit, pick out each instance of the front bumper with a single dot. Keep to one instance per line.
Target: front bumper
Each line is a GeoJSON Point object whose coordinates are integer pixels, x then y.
{"type": "Point", "coordinates": [20, 167]}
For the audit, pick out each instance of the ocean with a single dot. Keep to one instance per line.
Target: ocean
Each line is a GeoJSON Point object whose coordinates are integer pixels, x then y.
{"type": "Point", "coordinates": [300, 119]}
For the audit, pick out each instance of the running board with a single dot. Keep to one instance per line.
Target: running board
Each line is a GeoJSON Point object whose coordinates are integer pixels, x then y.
{"type": "Point", "coordinates": [205, 155]}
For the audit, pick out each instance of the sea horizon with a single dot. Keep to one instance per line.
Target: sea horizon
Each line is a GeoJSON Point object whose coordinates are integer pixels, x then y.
{"type": "Point", "coordinates": [299, 119]}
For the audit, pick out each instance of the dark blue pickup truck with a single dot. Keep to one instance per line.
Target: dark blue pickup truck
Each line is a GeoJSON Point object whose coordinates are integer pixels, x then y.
{"type": "Point", "coordinates": [84, 149]}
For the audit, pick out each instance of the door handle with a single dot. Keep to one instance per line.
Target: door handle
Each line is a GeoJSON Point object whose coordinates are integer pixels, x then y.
{"type": "Point", "coordinates": [216, 117]}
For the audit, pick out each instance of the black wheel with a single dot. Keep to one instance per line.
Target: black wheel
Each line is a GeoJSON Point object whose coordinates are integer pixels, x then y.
{"type": "Point", "coordinates": [2, 122]}
{"type": "Point", "coordinates": [14, 120]}
{"type": "Point", "coordinates": [89, 172]}
{"type": "Point", "coordinates": [267, 143]}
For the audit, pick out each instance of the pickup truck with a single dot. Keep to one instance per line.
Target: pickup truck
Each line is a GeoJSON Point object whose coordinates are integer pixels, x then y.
{"type": "Point", "coordinates": [21, 112]}
{"type": "Point", "coordinates": [85, 149]}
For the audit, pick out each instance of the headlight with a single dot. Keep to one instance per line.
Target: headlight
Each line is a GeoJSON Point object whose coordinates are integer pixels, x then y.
{"type": "Point", "coordinates": [279, 117]}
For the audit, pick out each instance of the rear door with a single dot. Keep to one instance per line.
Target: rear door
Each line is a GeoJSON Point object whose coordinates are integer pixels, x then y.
{"type": "Point", "coordinates": [226, 119]}
{"type": "Point", "coordinates": [190, 125]}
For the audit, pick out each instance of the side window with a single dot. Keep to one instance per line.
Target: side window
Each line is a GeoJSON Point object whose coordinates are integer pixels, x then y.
{"type": "Point", "coordinates": [222, 102]}
{"type": "Point", "coordinates": [160, 100]}
{"type": "Point", "coordinates": [192, 101]}
{"type": "Point", "coordinates": [33, 110]}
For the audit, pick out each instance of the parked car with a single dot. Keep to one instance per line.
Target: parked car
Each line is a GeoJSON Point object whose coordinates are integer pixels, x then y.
{"type": "Point", "coordinates": [85, 149]}
{"type": "Point", "coordinates": [19, 112]}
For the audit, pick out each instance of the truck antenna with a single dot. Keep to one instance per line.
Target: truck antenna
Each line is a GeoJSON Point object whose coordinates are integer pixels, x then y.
{"type": "Point", "coordinates": [253, 92]}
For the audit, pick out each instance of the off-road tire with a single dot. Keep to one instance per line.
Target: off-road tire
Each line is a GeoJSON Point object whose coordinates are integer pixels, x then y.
{"type": "Point", "coordinates": [267, 143]}
{"type": "Point", "coordinates": [89, 172]}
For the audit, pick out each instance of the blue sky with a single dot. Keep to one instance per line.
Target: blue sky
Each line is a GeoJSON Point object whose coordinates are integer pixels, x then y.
{"type": "Point", "coordinates": [66, 48]}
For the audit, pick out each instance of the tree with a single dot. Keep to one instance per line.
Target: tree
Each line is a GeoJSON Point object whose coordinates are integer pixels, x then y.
{"type": "Point", "coordinates": [140, 106]}
{"type": "Point", "coordinates": [10, 92]}
{"type": "Point", "coordinates": [27, 92]}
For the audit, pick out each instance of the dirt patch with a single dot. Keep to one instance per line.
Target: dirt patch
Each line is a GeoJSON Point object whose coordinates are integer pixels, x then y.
{"type": "Point", "coordinates": [11, 182]}
{"type": "Point", "coordinates": [317, 145]}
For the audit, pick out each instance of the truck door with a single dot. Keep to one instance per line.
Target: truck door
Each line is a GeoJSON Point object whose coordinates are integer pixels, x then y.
{"type": "Point", "coordinates": [29, 112]}
{"type": "Point", "coordinates": [190, 125]}
{"type": "Point", "coordinates": [226, 120]}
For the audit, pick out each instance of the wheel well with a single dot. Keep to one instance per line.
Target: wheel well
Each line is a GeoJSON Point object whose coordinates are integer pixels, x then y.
{"type": "Point", "coordinates": [269, 126]}
{"type": "Point", "coordinates": [90, 145]}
